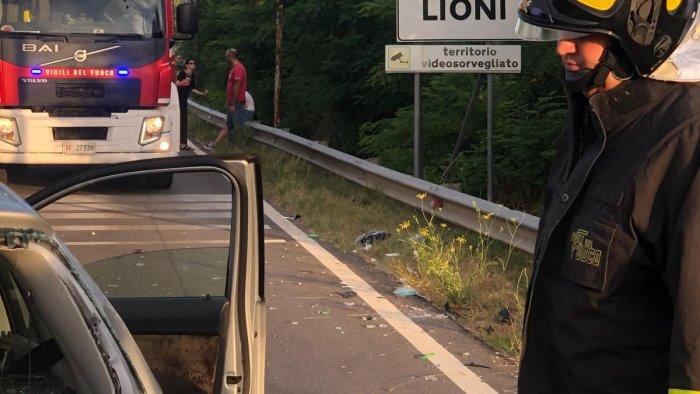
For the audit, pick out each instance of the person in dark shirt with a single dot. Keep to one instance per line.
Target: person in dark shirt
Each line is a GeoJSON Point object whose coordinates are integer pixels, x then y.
{"type": "Point", "coordinates": [614, 303]}
{"type": "Point", "coordinates": [186, 82]}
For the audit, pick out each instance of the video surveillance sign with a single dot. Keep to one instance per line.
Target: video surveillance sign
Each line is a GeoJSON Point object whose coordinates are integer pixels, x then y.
{"type": "Point", "coordinates": [452, 58]}
{"type": "Point", "coordinates": [456, 20]}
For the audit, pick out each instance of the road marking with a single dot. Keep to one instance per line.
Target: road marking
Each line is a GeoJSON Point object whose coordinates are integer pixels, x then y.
{"type": "Point", "coordinates": [151, 207]}
{"type": "Point", "coordinates": [149, 198]}
{"type": "Point", "coordinates": [224, 242]}
{"type": "Point", "coordinates": [196, 149]}
{"type": "Point", "coordinates": [454, 369]}
{"type": "Point", "coordinates": [136, 214]}
{"type": "Point", "coordinates": [141, 227]}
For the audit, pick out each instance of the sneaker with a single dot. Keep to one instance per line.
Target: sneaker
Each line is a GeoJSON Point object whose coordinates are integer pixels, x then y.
{"type": "Point", "coordinates": [208, 146]}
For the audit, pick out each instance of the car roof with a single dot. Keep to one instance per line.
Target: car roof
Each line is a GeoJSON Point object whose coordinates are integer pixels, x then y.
{"type": "Point", "coordinates": [15, 213]}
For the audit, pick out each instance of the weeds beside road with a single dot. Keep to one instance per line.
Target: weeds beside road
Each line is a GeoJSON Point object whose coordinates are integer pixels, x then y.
{"type": "Point", "coordinates": [481, 282]}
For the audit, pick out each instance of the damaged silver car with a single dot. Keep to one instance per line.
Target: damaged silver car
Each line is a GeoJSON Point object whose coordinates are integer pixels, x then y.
{"type": "Point", "coordinates": [65, 327]}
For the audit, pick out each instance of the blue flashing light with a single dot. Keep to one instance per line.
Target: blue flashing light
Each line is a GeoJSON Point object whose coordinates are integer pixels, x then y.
{"type": "Point", "coordinates": [122, 72]}
{"type": "Point", "coordinates": [36, 71]}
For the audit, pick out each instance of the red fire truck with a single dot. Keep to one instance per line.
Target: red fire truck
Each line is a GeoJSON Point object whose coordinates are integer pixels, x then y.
{"type": "Point", "coordinates": [89, 82]}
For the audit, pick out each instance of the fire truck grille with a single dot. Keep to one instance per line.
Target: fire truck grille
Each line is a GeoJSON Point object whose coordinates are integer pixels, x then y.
{"type": "Point", "coordinates": [80, 91]}
{"type": "Point", "coordinates": [79, 133]}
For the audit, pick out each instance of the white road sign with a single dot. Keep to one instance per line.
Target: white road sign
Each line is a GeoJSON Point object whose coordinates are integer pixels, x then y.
{"type": "Point", "coordinates": [452, 58]}
{"type": "Point", "coordinates": [445, 20]}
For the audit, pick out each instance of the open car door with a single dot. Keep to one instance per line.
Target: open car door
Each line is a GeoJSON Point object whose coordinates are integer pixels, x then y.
{"type": "Point", "coordinates": [183, 267]}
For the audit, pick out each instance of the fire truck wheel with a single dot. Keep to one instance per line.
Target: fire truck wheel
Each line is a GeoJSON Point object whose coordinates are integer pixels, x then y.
{"type": "Point", "coordinates": [159, 181]}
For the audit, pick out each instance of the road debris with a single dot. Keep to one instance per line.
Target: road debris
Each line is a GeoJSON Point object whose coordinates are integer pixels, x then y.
{"type": "Point", "coordinates": [368, 238]}
{"type": "Point", "coordinates": [504, 316]}
{"type": "Point", "coordinates": [404, 291]}
{"type": "Point", "coordinates": [473, 364]}
{"type": "Point", "coordinates": [347, 294]}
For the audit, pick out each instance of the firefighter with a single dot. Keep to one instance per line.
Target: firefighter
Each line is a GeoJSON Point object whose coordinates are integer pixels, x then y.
{"type": "Point", "coordinates": [614, 299]}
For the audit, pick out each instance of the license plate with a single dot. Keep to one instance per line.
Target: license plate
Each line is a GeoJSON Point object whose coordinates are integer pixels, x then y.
{"type": "Point", "coordinates": [79, 148]}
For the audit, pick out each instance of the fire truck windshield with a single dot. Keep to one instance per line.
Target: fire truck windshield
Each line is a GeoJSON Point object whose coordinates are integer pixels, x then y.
{"type": "Point", "coordinates": [113, 17]}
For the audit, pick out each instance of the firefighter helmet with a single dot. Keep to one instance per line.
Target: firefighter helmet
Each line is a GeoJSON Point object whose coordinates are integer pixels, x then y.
{"type": "Point", "coordinates": [647, 31]}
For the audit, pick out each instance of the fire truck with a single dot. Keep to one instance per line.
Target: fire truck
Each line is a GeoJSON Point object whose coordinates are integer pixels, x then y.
{"type": "Point", "coordinates": [90, 82]}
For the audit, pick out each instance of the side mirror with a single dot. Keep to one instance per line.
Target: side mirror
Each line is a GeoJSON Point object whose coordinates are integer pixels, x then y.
{"type": "Point", "coordinates": [187, 20]}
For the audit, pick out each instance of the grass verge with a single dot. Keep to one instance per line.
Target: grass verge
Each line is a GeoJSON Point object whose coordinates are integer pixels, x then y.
{"type": "Point", "coordinates": [481, 282]}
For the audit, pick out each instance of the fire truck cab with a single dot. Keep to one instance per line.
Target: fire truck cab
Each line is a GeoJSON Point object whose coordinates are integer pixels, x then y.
{"type": "Point", "coordinates": [88, 82]}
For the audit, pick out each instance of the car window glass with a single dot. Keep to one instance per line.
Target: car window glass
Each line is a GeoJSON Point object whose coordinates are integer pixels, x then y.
{"type": "Point", "coordinates": [4, 318]}
{"type": "Point", "coordinates": [15, 313]}
{"type": "Point", "coordinates": [139, 241]}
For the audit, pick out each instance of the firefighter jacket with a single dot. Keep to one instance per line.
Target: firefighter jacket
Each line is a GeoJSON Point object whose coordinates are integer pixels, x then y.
{"type": "Point", "coordinates": [614, 299]}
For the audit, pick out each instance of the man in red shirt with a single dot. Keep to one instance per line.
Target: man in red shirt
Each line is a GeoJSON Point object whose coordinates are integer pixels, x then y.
{"type": "Point", "coordinates": [235, 98]}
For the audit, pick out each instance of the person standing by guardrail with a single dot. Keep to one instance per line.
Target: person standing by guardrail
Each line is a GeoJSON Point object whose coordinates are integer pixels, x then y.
{"type": "Point", "coordinates": [614, 303]}
{"type": "Point", "coordinates": [186, 82]}
{"type": "Point", "coordinates": [235, 99]}
{"type": "Point", "coordinates": [248, 113]}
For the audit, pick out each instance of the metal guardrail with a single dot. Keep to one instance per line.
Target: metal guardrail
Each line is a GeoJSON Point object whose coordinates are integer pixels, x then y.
{"type": "Point", "coordinates": [496, 221]}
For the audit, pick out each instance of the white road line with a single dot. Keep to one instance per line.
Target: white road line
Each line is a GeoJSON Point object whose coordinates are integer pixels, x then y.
{"type": "Point", "coordinates": [141, 227]}
{"type": "Point", "coordinates": [149, 198]}
{"type": "Point", "coordinates": [136, 215]}
{"type": "Point", "coordinates": [198, 151]}
{"type": "Point", "coordinates": [194, 244]}
{"type": "Point", "coordinates": [424, 343]}
{"type": "Point", "coordinates": [224, 242]}
{"type": "Point", "coordinates": [188, 206]}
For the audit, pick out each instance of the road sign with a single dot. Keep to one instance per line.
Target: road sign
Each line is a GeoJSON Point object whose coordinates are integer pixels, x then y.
{"type": "Point", "coordinates": [452, 58]}
{"type": "Point", "coordinates": [456, 20]}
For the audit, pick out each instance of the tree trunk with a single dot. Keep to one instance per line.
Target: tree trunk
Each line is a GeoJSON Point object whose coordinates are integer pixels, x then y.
{"type": "Point", "coordinates": [277, 118]}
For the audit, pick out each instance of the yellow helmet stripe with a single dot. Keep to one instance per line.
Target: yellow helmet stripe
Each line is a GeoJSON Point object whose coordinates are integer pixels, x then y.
{"type": "Point", "coordinates": [601, 5]}
{"type": "Point", "coordinates": [679, 391]}
{"type": "Point", "coordinates": [672, 5]}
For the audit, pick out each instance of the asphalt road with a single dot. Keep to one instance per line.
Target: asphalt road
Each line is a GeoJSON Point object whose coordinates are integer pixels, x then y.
{"type": "Point", "coordinates": [333, 323]}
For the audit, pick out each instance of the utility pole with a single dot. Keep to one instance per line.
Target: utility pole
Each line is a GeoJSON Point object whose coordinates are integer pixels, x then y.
{"type": "Point", "coordinates": [277, 117]}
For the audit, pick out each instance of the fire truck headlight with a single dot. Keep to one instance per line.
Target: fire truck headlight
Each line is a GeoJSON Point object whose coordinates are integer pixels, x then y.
{"type": "Point", "coordinates": [151, 129]}
{"type": "Point", "coordinates": [8, 131]}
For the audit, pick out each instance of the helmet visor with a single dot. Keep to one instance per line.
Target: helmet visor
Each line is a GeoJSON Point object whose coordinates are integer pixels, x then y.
{"type": "Point", "coordinates": [529, 32]}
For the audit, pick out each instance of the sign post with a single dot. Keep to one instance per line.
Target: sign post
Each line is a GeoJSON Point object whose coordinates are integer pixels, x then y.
{"type": "Point", "coordinates": [450, 59]}
{"type": "Point", "coordinates": [454, 20]}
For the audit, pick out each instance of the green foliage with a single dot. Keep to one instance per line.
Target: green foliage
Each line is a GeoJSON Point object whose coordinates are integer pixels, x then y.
{"type": "Point", "coordinates": [334, 88]}
{"type": "Point", "coordinates": [437, 256]}
{"type": "Point", "coordinates": [528, 115]}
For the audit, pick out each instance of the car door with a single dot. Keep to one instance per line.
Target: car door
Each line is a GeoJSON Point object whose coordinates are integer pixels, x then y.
{"type": "Point", "coordinates": [190, 294]}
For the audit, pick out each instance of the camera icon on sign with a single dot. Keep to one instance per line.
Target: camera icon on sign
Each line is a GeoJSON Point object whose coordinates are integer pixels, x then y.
{"type": "Point", "coordinates": [399, 58]}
